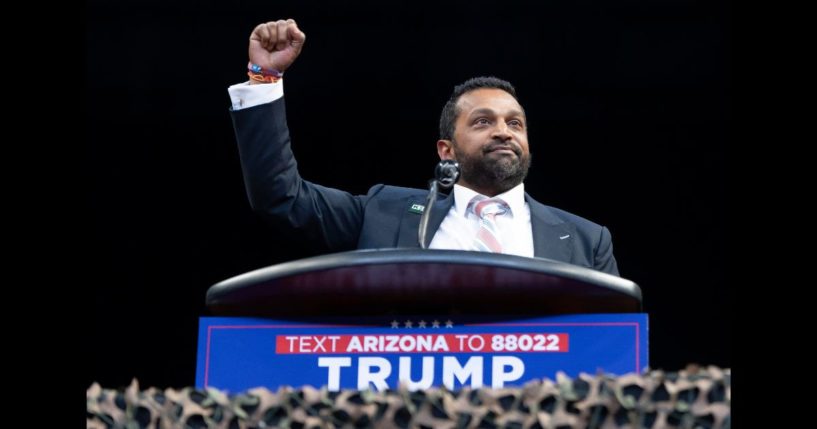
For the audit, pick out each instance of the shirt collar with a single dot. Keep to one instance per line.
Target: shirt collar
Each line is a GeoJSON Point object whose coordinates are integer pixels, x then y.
{"type": "Point", "coordinates": [515, 197]}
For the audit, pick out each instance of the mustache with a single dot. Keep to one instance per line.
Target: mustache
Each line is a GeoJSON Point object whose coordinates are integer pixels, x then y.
{"type": "Point", "coordinates": [496, 145]}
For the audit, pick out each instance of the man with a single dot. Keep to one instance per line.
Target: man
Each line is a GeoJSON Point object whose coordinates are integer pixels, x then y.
{"type": "Point", "coordinates": [482, 127]}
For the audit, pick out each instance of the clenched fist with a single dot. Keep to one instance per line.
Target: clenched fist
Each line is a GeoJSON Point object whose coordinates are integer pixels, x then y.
{"type": "Point", "coordinates": [276, 44]}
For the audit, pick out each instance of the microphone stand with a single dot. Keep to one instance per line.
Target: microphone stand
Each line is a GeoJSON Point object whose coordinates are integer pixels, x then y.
{"type": "Point", "coordinates": [446, 174]}
{"type": "Point", "coordinates": [433, 190]}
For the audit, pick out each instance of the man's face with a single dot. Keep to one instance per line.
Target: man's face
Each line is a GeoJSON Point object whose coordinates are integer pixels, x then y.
{"type": "Point", "coordinates": [490, 141]}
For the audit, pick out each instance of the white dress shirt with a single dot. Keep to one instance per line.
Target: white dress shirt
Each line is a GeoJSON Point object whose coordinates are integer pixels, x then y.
{"type": "Point", "coordinates": [460, 225]}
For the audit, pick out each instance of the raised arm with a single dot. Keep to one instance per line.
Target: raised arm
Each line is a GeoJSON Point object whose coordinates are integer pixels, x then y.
{"type": "Point", "coordinates": [329, 219]}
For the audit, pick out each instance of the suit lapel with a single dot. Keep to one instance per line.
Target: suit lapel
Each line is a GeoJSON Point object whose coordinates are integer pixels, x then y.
{"type": "Point", "coordinates": [552, 238]}
{"type": "Point", "coordinates": [411, 220]}
{"type": "Point", "coordinates": [441, 208]}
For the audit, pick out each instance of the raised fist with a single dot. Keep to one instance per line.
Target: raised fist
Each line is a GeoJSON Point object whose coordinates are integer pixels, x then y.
{"type": "Point", "coordinates": [276, 44]}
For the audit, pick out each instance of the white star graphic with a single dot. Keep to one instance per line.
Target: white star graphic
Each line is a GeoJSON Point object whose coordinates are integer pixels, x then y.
{"type": "Point", "coordinates": [435, 324]}
{"type": "Point", "coordinates": [395, 324]}
{"type": "Point", "coordinates": [408, 323]}
{"type": "Point", "coordinates": [422, 324]}
{"type": "Point", "coordinates": [449, 323]}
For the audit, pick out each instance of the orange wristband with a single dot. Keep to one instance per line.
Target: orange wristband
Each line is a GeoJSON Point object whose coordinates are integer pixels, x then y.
{"type": "Point", "coordinates": [258, 77]}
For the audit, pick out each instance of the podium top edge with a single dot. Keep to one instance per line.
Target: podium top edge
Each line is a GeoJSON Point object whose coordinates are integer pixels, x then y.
{"type": "Point", "coordinates": [412, 256]}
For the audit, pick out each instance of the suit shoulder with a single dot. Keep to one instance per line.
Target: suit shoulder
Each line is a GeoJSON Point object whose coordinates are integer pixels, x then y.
{"type": "Point", "coordinates": [395, 192]}
{"type": "Point", "coordinates": [572, 217]}
{"type": "Point", "coordinates": [568, 217]}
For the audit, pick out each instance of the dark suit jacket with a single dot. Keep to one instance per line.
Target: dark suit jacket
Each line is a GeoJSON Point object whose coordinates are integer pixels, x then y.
{"type": "Point", "coordinates": [335, 220]}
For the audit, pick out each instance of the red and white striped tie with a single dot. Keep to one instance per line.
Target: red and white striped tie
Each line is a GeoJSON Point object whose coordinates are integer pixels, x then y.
{"type": "Point", "coordinates": [487, 209]}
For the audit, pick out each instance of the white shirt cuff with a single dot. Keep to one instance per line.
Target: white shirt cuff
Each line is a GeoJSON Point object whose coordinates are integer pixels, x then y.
{"type": "Point", "coordinates": [243, 95]}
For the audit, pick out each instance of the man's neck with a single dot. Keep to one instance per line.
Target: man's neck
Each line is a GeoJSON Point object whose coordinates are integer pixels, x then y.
{"type": "Point", "coordinates": [487, 191]}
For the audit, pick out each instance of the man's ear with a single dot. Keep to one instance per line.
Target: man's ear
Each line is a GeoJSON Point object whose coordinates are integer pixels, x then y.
{"type": "Point", "coordinates": [445, 148]}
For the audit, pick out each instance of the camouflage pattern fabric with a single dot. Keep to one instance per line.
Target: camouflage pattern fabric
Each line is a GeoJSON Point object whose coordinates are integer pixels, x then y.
{"type": "Point", "coordinates": [695, 398]}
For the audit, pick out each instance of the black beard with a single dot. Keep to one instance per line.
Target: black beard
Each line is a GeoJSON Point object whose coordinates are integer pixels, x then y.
{"type": "Point", "coordinates": [499, 174]}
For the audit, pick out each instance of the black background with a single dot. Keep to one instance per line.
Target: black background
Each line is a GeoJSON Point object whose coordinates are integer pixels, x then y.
{"type": "Point", "coordinates": [628, 105]}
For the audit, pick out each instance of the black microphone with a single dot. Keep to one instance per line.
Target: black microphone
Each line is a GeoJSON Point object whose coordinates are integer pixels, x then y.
{"type": "Point", "coordinates": [446, 175]}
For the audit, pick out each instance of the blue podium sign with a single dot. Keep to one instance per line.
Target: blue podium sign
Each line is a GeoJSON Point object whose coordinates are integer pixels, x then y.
{"type": "Point", "coordinates": [237, 354]}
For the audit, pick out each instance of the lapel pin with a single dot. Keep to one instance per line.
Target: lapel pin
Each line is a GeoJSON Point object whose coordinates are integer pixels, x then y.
{"type": "Point", "coordinates": [417, 208]}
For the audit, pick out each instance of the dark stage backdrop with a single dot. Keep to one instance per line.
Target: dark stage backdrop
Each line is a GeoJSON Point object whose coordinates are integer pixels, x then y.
{"type": "Point", "coordinates": [629, 110]}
